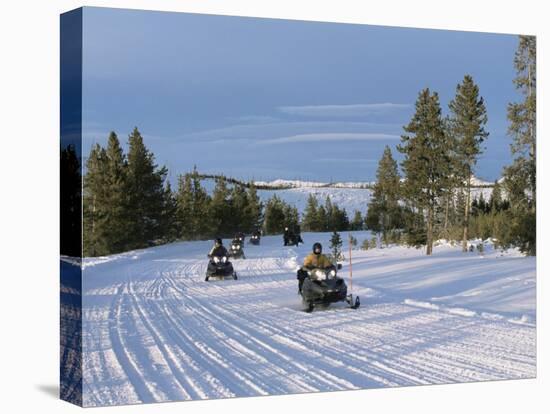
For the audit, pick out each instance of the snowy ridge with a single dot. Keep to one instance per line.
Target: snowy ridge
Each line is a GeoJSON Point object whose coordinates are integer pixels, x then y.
{"type": "Point", "coordinates": [153, 330]}
{"type": "Point", "coordinates": [278, 183]}
{"type": "Point", "coordinates": [349, 198]}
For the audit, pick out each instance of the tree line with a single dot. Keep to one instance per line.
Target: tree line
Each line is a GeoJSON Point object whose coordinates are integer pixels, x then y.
{"type": "Point", "coordinates": [128, 202]}
{"type": "Point", "coordinates": [434, 197]}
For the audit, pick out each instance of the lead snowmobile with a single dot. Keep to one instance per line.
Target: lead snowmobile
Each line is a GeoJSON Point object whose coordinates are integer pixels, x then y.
{"type": "Point", "coordinates": [221, 267]}
{"type": "Point", "coordinates": [323, 287]}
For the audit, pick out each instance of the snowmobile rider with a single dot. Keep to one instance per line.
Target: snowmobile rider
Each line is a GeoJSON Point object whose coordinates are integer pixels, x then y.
{"type": "Point", "coordinates": [218, 250]}
{"type": "Point", "coordinates": [314, 260]}
{"type": "Point", "coordinates": [286, 236]}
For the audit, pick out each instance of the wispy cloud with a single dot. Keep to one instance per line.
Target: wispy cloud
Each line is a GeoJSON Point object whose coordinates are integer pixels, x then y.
{"type": "Point", "coordinates": [346, 160]}
{"type": "Point", "coordinates": [343, 110]}
{"type": "Point", "coordinates": [259, 132]}
{"type": "Point", "coordinates": [254, 119]}
{"type": "Point", "coordinates": [324, 137]}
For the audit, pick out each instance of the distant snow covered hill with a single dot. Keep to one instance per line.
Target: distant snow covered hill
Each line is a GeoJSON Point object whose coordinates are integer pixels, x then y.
{"type": "Point", "coordinates": [301, 184]}
{"type": "Point", "coordinates": [349, 198]}
{"type": "Point", "coordinates": [349, 195]}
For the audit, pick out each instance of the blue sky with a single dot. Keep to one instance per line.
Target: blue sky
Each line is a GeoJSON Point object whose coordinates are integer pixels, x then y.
{"type": "Point", "coordinates": [268, 98]}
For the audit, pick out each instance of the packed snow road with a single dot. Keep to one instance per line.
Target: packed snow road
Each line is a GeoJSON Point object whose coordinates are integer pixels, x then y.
{"type": "Point", "coordinates": [154, 330]}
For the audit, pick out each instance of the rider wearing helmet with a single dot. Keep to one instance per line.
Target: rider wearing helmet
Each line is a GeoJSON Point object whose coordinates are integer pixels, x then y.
{"type": "Point", "coordinates": [316, 259]}
{"type": "Point", "coordinates": [218, 250]}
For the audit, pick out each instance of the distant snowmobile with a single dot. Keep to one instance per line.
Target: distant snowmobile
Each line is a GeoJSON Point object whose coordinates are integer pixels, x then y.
{"type": "Point", "coordinates": [255, 238]}
{"type": "Point", "coordinates": [240, 236]}
{"type": "Point", "coordinates": [323, 287]}
{"type": "Point", "coordinates": [221, 267]}
{"type": "Point", "coordinates": [292, 239]}
{"type": "Point", "coordinates": [236, 249]}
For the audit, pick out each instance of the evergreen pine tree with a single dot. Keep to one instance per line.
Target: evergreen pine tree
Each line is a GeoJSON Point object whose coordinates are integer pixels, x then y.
{"type": "Point", "coordinates": [384, 212]}
{"type": "Point", "coordinates": [238, 214]}
{"type": "Point", "coordinates": [520, 177]}
{"type": "Point", "coordinates": [340, 219]}
{"type": "Point", "coordinates": [253, 209]}
{"type": "Point", "coordinates": [331, 215]}
{"type": "Point", "coordinates": [357, 222]}
{"type": "Point", "coordinates": [170, 230]}
{"type": "Point", "coordinates": [202, 218]}
{"type": "Point", "coordinates": [495, 202]}
{"type": "Point", "coordinates": [93, 200]}
{"type": "Point", "coordinates": [336, 247]}
{"type": "Point", "coordinates": [145, 191]}
{"type": "Point", "coordinates": [426, 159]}
{"type": "Point", "coordinates": [311, 218]}
{"type": "Point", "coordinates": [322, 221]}
{"type": "Point", "coordinates": [220, 214]}
{"type": "Point", "coordinates": [274, 221]}
{"type": "Point", "coordinates": [292, 217]}
{"type": "Point", "coordinates": [184, 212]}
{"type": "Point", "coordinates": [468, 119]}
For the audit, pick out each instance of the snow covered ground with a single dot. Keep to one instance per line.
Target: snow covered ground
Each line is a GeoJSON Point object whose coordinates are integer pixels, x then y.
{"type": "Point", "coordinates": [153, 330]}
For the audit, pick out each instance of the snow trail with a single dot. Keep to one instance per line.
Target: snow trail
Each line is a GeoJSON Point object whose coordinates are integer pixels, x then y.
{"type": "Point", "coordinates": [153, 330]}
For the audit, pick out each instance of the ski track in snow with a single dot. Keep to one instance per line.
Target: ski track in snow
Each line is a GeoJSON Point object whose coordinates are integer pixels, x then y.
{"type": "Point", "coordinates": [154, 331]}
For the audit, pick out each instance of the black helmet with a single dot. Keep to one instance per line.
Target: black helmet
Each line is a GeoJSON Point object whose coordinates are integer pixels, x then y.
{"type": "Point", "coordinates": [317, 248]}
{"type": "Point", "coordinates": [218, 241]}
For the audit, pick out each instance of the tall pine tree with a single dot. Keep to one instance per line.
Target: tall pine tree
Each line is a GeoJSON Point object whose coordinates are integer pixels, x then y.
{"type": "Point", "coordinates": [145, 189]}
{"type": "Point", "coordinates": [384, 212]}
{"type": "Point", "coordinates": [311, 219]}
{"type": "Point", "coordinates": [426, 159]}
{"type": "Point", "coordinates": [467, 126]}
{"type": "Point", "coordinates": [520, 177]}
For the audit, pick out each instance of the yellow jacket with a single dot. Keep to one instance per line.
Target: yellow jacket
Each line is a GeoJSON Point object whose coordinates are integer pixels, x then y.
{"type": "Point", "coordinates": [313, 261]}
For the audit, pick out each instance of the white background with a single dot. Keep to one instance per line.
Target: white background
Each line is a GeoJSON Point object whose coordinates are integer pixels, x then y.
{"type": "Point", "coordinates": [29, 142]}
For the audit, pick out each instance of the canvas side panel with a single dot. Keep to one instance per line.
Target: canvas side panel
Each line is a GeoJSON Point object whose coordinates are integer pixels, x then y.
{"type": "Point", "coordinates": [71, 207]}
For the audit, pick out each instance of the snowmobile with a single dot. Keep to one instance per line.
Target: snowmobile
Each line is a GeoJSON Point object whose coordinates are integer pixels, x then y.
{"type": "Point", "coordinates": [321, 287]}
{"type": "Point", "coordinates": [236, 249]}
{"type": "Point", "coordinates": [292, 240]}
{"type": "Point", "coordinates": [240, 236]}
{"type": "Point", "coordinates": [254, 239]}
{"type": "Point", "coordinates": [220, 266]}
